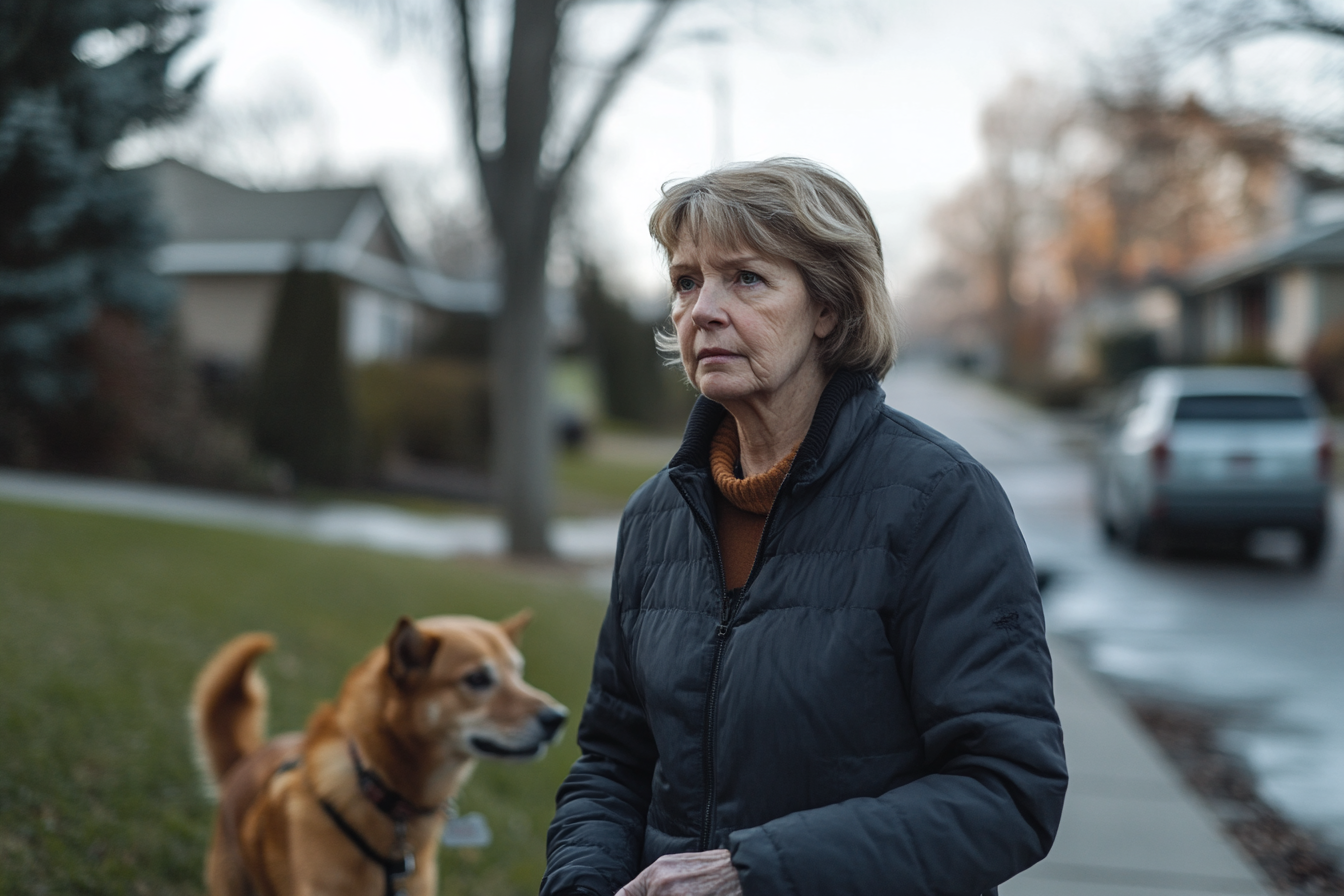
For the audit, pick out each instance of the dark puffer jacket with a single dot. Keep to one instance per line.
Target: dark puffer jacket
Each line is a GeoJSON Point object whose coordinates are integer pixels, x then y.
{"type": "Point", "coordinates": [872, 713]}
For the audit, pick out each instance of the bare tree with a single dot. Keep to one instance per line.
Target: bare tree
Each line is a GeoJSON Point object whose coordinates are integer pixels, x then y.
{"type": "Point", "coordinates": [523, 179]}
{"type": "Point", "coordinates": [995, 220]}
{"type": "Point", "coordinates": [1203, 28]}
{"type": "Point", "coordinates": [1213, 24]}
{"type": "Point", "coordinates": [1084, 195]}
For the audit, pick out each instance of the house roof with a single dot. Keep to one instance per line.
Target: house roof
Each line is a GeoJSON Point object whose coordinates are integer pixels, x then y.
{"type": "Point", "coordinates": [219, 228]}
{"type": "Point", "coordinates": [1319, 245]}
{"type": "Point", "coordinates": [202, 208]}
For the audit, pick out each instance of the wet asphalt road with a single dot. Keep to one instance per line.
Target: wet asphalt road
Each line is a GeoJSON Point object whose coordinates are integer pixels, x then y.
{"type": "Point", "coordinates": [1254, 638]}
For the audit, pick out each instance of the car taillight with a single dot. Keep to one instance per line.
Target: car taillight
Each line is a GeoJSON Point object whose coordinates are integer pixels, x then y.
{"type": "Point", "coordinates": [1160, 457]}
{"type": "Point", "coordinates": [1325, 458]}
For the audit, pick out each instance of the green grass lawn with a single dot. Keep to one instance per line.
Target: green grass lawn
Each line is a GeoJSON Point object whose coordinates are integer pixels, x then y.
{"type": "Point", "coordinates": [589, 484]}
{"type": "Point", "coordinates": [105, 621]}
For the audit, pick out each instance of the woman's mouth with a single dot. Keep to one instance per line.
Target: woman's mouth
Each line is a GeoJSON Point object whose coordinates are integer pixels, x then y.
{"type": "Point", "coordinates": [714, 354]}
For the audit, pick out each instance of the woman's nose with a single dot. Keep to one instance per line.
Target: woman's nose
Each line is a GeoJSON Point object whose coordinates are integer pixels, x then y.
{"type": "Point", "coordinates": [708, 311]}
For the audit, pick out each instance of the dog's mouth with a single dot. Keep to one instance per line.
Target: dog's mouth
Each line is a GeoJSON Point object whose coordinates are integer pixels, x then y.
{"type": "Point", "coordinates": [498, 750]}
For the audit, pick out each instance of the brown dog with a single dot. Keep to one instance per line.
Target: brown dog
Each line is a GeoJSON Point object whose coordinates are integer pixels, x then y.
{"type": "Point", "coordinates": [356, 803]}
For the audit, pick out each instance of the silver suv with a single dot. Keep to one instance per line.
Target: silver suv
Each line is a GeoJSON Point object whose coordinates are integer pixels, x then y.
{"type": "Point", "coordinates": [1215, 450]}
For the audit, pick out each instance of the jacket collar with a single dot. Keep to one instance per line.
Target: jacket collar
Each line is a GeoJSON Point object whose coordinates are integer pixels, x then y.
{"type": "Point", "coordinates": [816, 446]}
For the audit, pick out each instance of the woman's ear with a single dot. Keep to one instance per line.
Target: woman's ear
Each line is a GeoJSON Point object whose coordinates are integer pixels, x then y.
{"type": "Point", "coordinates": [826, 321]}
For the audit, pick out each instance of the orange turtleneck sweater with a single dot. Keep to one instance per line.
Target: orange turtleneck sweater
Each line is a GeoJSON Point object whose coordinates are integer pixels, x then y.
{"type": "Point", "coordinates": [741, 504]}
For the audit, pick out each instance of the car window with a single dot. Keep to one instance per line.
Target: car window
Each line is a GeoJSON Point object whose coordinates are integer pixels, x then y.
{"type": "Point", "coordinates": [1242, 407]}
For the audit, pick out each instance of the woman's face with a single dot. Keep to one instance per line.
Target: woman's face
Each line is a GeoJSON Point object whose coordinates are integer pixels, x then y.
{"type": "Point", "coordinates": [745, 324]}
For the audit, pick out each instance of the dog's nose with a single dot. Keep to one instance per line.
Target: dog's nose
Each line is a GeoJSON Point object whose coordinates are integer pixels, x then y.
{"type": "Point", "coordinates": [551, 719]}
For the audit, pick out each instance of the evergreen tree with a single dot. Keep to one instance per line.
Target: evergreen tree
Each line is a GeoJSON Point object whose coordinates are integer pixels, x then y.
{"type": "Point", "coordinates": [630, 372]}
{"type": "Point", "coordinates": [303, 413]}
{"type": "Point", "coordinates": [75, 234]}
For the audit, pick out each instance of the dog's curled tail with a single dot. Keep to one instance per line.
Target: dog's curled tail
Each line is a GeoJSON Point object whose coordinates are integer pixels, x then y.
{"type": "Point", "coordinates": [228, 707]}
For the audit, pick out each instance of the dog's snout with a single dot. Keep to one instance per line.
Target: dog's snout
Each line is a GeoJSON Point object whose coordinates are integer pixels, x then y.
{"type": "Point", "coordinates": [551, 719]}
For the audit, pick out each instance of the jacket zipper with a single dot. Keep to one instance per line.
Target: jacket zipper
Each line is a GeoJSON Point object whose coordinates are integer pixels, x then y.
{"type": "Point", "coordinates": [727, 611]}
{"type": "Point", "coordinates": [707, 743]}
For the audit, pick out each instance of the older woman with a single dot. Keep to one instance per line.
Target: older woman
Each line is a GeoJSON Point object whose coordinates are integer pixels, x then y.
{"type": "Point", "coordinates": [823, 670]}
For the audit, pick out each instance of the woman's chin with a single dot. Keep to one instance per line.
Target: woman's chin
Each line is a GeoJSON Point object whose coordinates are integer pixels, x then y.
{"type": "Point", "coordinates": [723, 388]}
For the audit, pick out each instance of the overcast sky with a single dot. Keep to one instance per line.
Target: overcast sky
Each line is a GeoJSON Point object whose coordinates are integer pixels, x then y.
{"type": "Point", "coordinates": [886, 93]}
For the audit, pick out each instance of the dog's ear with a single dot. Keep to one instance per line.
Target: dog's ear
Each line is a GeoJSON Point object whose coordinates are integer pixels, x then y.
{"type": "Point", "coordinates": [514, 625]}
{"type": "Point", "coordinates": [409, 652]}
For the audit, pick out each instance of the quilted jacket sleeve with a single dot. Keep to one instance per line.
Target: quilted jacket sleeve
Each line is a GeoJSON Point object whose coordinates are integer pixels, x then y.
{"type": "Point", "coordinates": [968, 630]}
{"type": "Point", "coordinates": [597, 836]}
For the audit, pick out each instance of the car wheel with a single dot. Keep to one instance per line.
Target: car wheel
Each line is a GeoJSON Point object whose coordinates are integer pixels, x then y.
{"type": "Point", "coordinates": [1147, 538]}
{"type": "Point", "coordinates": [1313, 547]}
{"type": "Point", "coordinates": [1138, 535]}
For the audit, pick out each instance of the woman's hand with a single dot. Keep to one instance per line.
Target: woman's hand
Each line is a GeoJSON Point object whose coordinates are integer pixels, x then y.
{"type": "Point", "coordinates": [687, 874]}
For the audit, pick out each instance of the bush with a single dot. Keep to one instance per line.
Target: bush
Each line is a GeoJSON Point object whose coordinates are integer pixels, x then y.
{"type": "Point", "coordinates": [145, 417]}
{"type": "Point", "coordinates": [635, 385]}
{"type": "Point", "coordinates": [1124, 354]}
{"type": "Point", "coordinates": [1249, 356]}
{"type": "Point", "coordinates": [303, 415]}
{"type": "Point", "coordinates": [463, 336]}
{"type": "Point", "coordinates": [434, 409]}
{"type": "Point", "coordinates": [1324, 363]}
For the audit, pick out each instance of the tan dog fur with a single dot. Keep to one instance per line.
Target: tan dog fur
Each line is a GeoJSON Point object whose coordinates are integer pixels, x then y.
{"type": "Point", "coordinates": [416, 713]}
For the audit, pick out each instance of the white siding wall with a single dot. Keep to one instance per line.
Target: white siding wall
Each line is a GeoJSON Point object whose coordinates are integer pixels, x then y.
{"type": "Point", "coordinates": [1293, 313]}
{"type": "Point", "coordinates": [226, 318]}
{"type": "Point", "coordinates": [1222, 323]}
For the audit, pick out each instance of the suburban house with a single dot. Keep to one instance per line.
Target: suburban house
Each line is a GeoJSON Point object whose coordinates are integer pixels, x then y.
{"type": "Point", "coordinates": [1273, 297]}
{"type": "Point", "coordinates": [229, 247]}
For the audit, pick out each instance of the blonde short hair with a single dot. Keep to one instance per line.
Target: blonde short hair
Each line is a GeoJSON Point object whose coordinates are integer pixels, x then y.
{"type": "Point", "coordinates": [803, 212]}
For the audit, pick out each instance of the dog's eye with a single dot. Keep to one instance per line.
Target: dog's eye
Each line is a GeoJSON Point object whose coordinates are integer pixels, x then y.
{"type": "Point", "coordinates": [479, 679]}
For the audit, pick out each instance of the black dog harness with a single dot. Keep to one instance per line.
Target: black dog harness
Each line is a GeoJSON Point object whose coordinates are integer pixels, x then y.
{"type": "Point", "coordinates": [392, 804]}
{"type": "Point", "coordinates": [394, 870]}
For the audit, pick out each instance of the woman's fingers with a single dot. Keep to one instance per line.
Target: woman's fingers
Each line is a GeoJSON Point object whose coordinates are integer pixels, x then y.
{"type": "Point", "coordinates": [687, 874]}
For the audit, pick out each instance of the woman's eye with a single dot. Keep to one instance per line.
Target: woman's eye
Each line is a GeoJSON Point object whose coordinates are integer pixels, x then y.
{"type": "Point", "coordinates": [685, 284]}
{"type": "Point", "coordinates": [748, 278]}
{"type": "Point", "coordinates": [478, 679]}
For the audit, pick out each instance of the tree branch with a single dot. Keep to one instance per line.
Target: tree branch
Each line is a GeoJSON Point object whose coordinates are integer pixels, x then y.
{"type": "Point", "coordinates": [1311, 20]}
{"type": "Point", "coordinates": [1229, 23]}
{"type": "Point", "coordinates": [610, 86]}
{"type": "Point", "coordinates": [488, 164]}
{"type": "Point", "coordinates": [468, 75]}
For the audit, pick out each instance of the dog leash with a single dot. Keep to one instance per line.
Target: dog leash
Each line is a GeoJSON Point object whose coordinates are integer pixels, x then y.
{"type": "Point", "coordinates": [392, 804]}
{"type": "Point", "coordinates": [394, 870]}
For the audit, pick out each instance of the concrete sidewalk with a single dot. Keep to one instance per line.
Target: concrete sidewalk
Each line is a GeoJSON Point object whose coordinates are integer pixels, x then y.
{"type": "Point", "coordinates": [1130, 827]}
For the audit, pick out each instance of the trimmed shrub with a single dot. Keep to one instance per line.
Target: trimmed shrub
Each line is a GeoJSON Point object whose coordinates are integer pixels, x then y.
{"type": "Point", "coordinates": [464, 336]}
{"type": "Point", "coordinates": [433, 409]}
{"type": "Point", "coordinates": [1249, 356]}
{"type": "Point", "coordinates": [633, 380]}
{"type": "Point", "coordinates": [1324, 363]}
{"type": "Point", "coordinates": [1124, 354]}
{"type": "Point", "coordinates": [302, 414]}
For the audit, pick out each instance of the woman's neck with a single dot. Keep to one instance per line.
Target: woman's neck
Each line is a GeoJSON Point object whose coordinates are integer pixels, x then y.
{"type": "Point", "coordinates": [771, 426]}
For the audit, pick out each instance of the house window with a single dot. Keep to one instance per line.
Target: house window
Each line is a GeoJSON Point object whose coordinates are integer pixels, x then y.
{"type": "Point", "coordinates": [378, 326]}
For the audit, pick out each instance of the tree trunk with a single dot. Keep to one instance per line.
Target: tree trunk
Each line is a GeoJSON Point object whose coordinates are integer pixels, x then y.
{"type": "Point", "coordinates": [523, 431]}
{"type": "Point", "coordinates": [521, 207]}
{"type": "Point", "coordinates": [522, 196]}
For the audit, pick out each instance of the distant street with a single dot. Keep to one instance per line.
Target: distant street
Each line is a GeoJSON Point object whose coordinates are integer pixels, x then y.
{"type": "Point", "coordinates": [1261, 641]}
